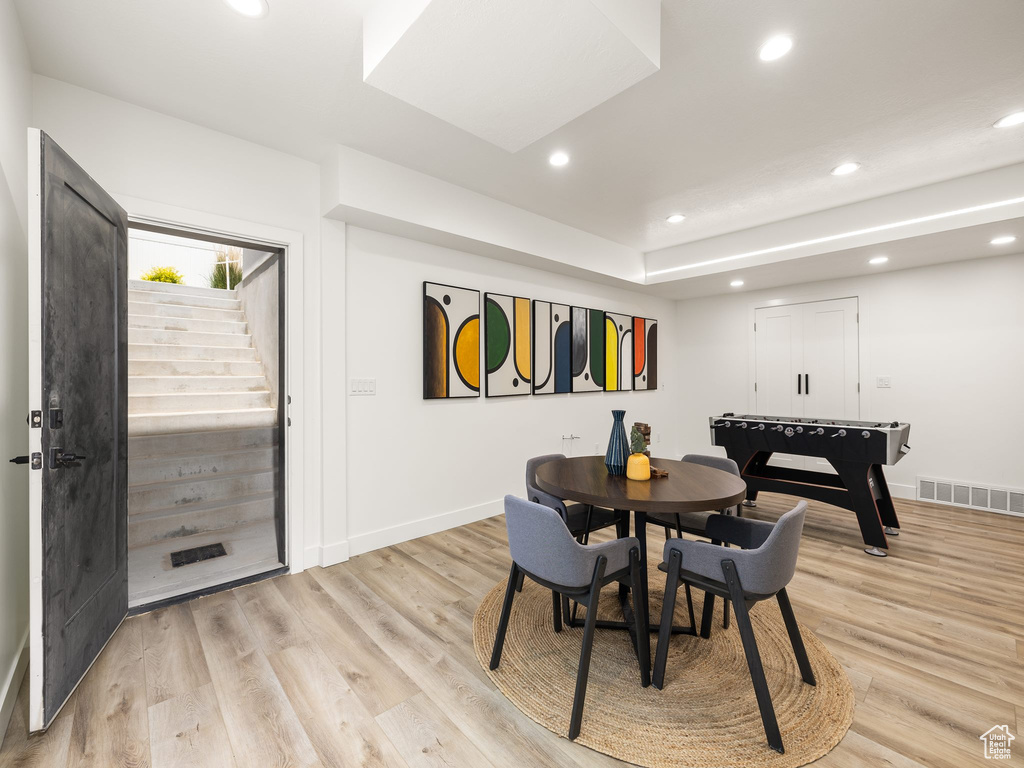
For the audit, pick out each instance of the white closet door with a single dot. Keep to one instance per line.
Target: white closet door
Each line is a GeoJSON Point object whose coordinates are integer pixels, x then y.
{"type": "Point", "coordinates": [778, 354]}
{"type": "Point", "coordinates": [831, 365]}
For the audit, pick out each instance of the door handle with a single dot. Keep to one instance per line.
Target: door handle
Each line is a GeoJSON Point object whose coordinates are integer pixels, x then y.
{"type": "Point", "coordinates": [61, 459]}
{"type": "Point", "coordinates": [36, 460]}
{"type": "Point", "coordinates": [19, 460]}
{"type": "Point", "coordinates": [807, 383]}
{"type": "Point", "coordinates": [799, 389]}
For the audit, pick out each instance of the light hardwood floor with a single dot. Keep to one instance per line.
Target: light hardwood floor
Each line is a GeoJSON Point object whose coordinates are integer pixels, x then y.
{"type": "Point", "coordinates": [370, 663]}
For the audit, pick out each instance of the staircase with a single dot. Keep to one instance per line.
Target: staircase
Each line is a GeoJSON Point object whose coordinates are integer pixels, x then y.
{"type": "Point", "coordinates": [202, 441]}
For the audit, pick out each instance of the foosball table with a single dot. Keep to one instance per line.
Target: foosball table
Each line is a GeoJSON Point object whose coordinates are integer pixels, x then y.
{"type": "Point", "coordinates": [857, 450]}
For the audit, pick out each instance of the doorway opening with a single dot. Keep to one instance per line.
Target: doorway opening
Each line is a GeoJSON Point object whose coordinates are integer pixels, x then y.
{"type": "Point", "coordinates": [206, 413]}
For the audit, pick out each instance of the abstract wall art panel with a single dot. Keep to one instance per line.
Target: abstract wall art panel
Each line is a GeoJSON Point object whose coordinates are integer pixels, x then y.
{"type": "Point", "coordinates": [618, 352]}
{"type": "Point", "coordinates": [552, 348]}
{"type": "Point", "coordinates": [451, 341]}
{"type": "Point", "coordinates": [508, 345]}
{"type": "Point", "coordinates": [645, 353]}
{"type": "Point", "coordinates": [588, 353]}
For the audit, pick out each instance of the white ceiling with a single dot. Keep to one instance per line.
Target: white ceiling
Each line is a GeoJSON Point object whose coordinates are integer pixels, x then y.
{"type": "Point", "coordinates": [910, 89]}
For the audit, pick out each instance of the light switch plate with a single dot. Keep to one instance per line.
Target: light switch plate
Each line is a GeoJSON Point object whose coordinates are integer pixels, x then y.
{"type": "Point", "coordinates": [362, 387]}
{"type": "Point", "coordinates": [883, 382]}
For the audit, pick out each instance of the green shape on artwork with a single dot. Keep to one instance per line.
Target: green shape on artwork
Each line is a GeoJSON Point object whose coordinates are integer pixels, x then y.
{"type": "Point", "coordinates": [499, 336]}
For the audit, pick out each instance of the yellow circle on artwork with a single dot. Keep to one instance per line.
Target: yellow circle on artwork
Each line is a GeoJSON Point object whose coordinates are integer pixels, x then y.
{"type": "Point", "coordinates": [467, 352]}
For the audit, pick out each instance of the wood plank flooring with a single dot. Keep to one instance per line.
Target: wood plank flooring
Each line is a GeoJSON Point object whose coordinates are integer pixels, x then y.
{"type": "Point", "coordinates": [370, 663]}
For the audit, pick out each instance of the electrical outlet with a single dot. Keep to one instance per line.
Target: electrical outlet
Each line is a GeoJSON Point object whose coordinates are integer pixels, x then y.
{"type": "Point", "coordinates": [366, 387]}
{"type": "Point", "coordinates": [883, 382]}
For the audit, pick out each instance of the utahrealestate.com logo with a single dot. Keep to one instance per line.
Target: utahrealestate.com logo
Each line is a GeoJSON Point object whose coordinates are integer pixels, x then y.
{"type": "Point", "coordinates": [997, 742]}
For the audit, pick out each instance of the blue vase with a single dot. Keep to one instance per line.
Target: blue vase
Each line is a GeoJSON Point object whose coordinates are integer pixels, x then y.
{"type": "Point", "coordinates": [618, 446]}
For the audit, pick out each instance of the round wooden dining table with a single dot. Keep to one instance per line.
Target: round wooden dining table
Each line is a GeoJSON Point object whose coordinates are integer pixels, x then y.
{"type": "Point", "coordinates": [688, 488]}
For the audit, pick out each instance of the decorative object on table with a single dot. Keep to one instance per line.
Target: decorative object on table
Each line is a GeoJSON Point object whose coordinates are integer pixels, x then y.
{"type": "Point", "coordinates": [645, 353]}
{"type": "Point", "coordinates": [618, 352]}
{"type": "Point", "coordinates": [638, 466]}
{"type": "Point", "coordinates": [588, 352]}
{"type": "Point", "coordinates": [552, 348]}
{"type": "Point", "coordinates": [451, 341]}
{"type": "Point", "coordinates": [645, 430]}
{"type": "Point", "coordinates": [618, 447]}
{"type": "Point", "coordinates": [705, 717]}
{"type": "Point", "coordinates": [507, 345]}
{"type": "Point", "coordinates": [655, 472]}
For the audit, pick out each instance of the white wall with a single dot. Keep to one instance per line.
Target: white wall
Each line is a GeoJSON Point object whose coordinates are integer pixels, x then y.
{"type": "Point", "coordinates": [951, 337]}
{"type": "Point", "coordinates": [138, 153]}
{"type": "Point", "coordinates": [15, 105]}
{"type": "Point", "coordinates": [415, 466]}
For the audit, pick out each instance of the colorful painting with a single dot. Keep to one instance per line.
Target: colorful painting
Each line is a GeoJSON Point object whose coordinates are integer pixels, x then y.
{"type": "Point", "coordinates": [508, 345]}
{"type": "Point", "coordinates": [588, 353]}
{"type": "Point", "coordinates": [451, 341]}
{"type": "Point", "coordinates": [552, 348]}
{"type": "Point", "coordinates": [645, 353]}
{"type": "Point", "coordinates": [618, 352]}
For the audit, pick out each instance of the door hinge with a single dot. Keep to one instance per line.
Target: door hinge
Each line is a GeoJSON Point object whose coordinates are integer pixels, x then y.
{"type": "Point", "coordinates": [858, 386]}
{"type": "Point", "coordinates": [858, 317]}
{"type": "Point", "coordinates": [35, 419]}
{"type": "Point", "coordinates": [755, 327]}
{"type": "Point", "coordinates": [755, 386]}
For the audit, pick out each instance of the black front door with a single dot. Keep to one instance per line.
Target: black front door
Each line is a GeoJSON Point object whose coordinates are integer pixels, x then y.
{"type": "Point", "coordinates": [78, 396]}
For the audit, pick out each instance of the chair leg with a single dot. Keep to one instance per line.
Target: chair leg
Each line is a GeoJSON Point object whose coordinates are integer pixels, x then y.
{"type": "Point", "coordinates": [643, 633]}
{"type": "Point", "coordinates": [583, 673]}
{"type": "Point", "coordinates": [764, 697]}
{"type": "Point", "coordinates": [506, 611]}
{"type": "Point", "coordinates": [679, 526]}
{"type": "Point", "coordinates": [689, 608]}
{"type": "Point", "coordinates": [556, 605]}
{"type": "Point", "coordinates": [565, 610]}
{"type": "Point", "coordinates": [709, 610]}
{"type": "Point", "coordinates": [667, 612]}
{"type": "Point", "coordinates": [795, 638]}
{"type": "Point", "coordinates": [519, 582]}
{"type": "Point", "coordinates": [725, 600]}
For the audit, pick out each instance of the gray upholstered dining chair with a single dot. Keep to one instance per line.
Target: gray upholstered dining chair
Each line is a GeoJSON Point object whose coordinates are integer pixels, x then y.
{"type": "Point", "coordinates": [696, 522]}
{"type": "Point", "coordinates": [543, 549]}
{"type": "Point", "coordinates": [760, 570]}
{"type": "Point", "coordinates": [580, 519]}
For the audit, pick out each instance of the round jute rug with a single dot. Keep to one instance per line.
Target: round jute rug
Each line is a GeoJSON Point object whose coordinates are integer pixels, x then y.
{"type": "Point", "coordinates": [705, 716]}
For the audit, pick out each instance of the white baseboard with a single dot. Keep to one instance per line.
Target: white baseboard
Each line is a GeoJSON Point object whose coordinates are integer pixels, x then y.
{"type": "Point", "coordinates": [901, 491]}
{"type": "Point", "coordinates": [11, 686]}
{"type": "Point", "coordinates": [385, 537]}
{"type": "Point", "coordinates": [331, 554]}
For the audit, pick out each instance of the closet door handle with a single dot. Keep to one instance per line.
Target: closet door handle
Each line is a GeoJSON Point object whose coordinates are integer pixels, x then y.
{"type": "Point", "coordinates": [807, 383]}
{"type": "Point", "coordinates": [799, 389]}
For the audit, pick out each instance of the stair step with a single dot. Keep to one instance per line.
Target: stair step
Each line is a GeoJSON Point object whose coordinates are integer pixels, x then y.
{"type": "Point", "coordinates": [188, 338]}
{"type": "Point", "coordinates": [251, 550]}
{"type": "Point", "coordinates": [164, 469]}
{"type": "Point", "coordinates": [152, 309]}
{"type": "Point", "coordinates": [192, 402]}
{"type": "Point", "coordinates": [185, 300]}
{"type": "Point", "coordinates": [187, 352]}
{"type": "Point", "coordinates": [187, 444]}
{"type": "Point", "coordinates": [190, 491]}
{"type": "Point", "coordinates": [164, 423]}
{"type": "Point", "coordinates": [181, 290]}
{"type": "Point", "coordinates": [164, 385]}
{"type": "Point", "coordinates": [146, 528]}
{"type": "Point", "coordinates": [202, 368]}
{"type": "Point", "coordinates": [192, 324]}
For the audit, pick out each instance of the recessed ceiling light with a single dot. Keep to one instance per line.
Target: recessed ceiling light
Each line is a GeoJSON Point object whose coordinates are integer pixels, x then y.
{"type": "Point", "coordinates": [1003, 240]}
{"type": "Point", "coordinates": [1010, 120]}
{"type": "Point", "coordinates": [736, 283]}
{"type": "Point", "coordinates": [845, 168]}
{"type": "Point", "coordinates": [675, 218]}
{"type": "Point", "coordinates": [878, 260]}
{"type": "Point", "coordinates": [775, 47]}
{"type": "Point", "coordinates": [254, 9]}
{"type": "Point", "coordinates": [558, 159]}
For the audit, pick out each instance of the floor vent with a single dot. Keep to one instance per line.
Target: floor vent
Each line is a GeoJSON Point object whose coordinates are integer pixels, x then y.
{"type": "Point", "coordinates": [197, 554]}
{"type": "Point", "coordinates": [1009, 501]}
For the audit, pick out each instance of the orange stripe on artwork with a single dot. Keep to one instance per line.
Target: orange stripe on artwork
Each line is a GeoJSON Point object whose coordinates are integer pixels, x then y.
{"type": "Point", "coordinates": [435, 351]}
{"type": "Point", "coordinates": [522, 338]}
{"type": "Point", "coordinates": [467, 353]}
{"type": "Point", "coordinates": [639, 339]}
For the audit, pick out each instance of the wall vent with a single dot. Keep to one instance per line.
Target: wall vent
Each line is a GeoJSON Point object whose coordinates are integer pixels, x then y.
{"type": "Point", "coordinates": [971, 495]}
